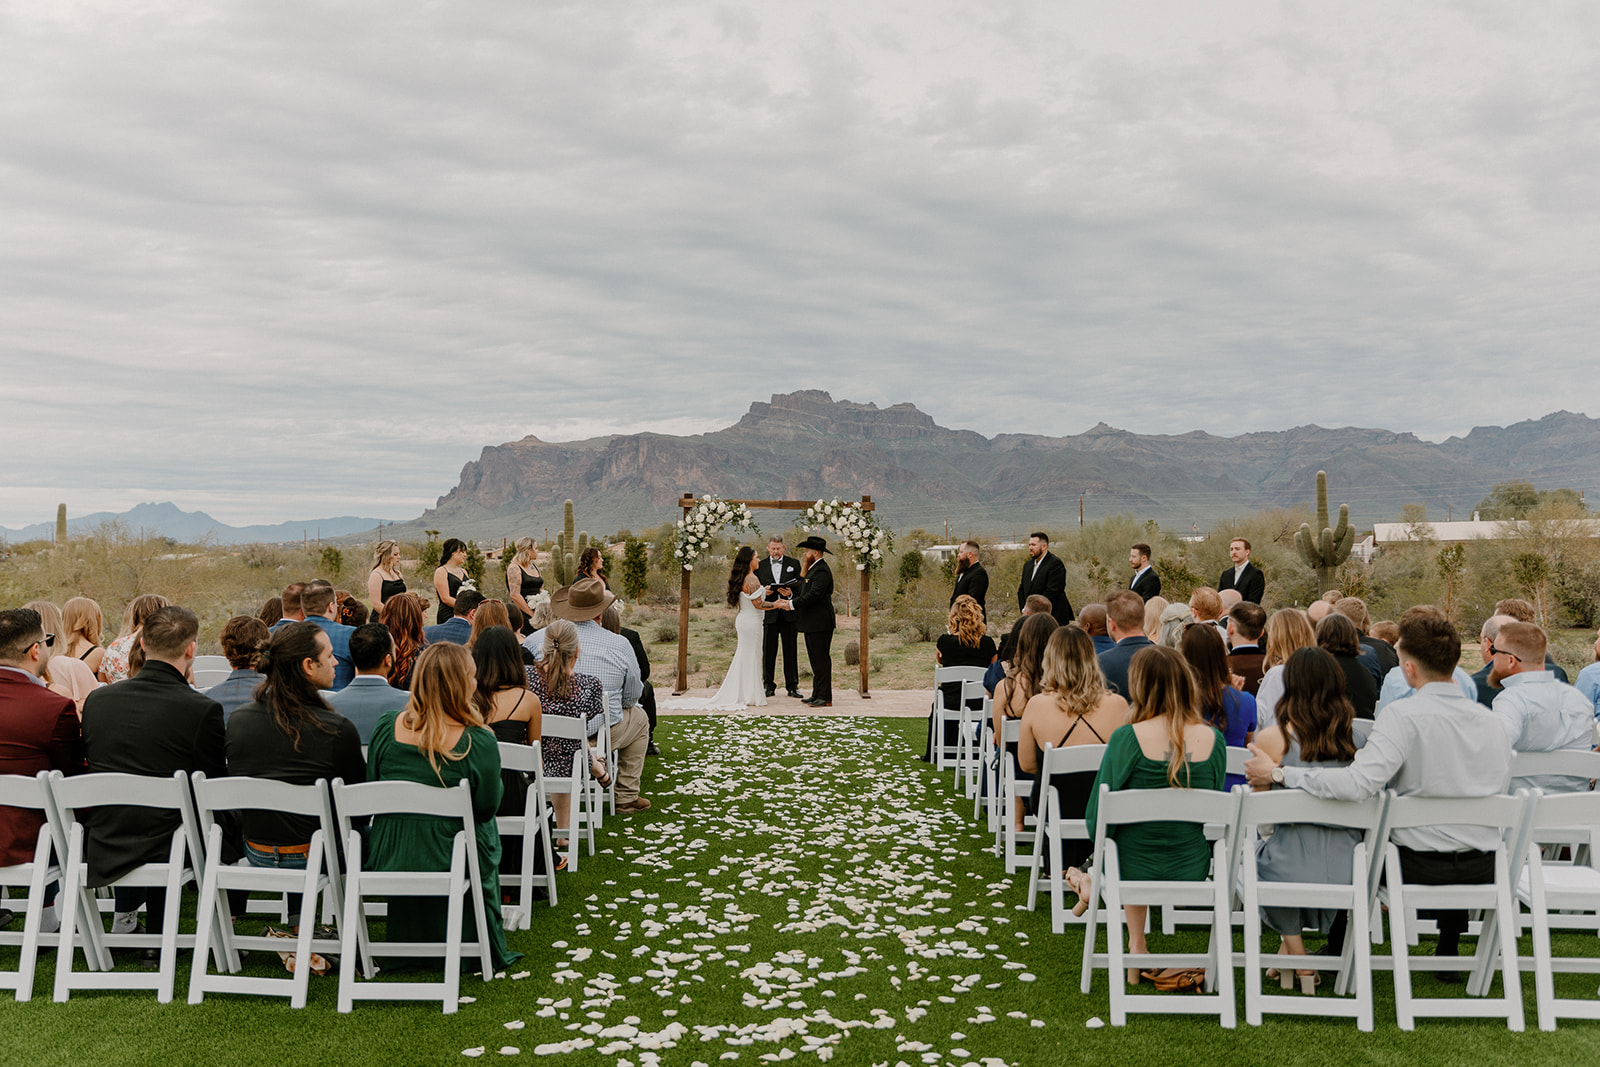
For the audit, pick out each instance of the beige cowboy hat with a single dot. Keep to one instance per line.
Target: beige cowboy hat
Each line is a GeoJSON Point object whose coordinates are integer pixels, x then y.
{"type": "Point", "coordinates": [584, 599]}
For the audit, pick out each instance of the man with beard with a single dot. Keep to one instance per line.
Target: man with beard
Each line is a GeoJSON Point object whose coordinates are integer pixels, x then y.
{"type": "Point", "coordinates": [1043, 574]}
{"type": "Point", "coordinates": [971, 579]}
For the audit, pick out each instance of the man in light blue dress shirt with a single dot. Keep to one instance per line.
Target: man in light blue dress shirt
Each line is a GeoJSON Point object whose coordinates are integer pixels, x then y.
{"type": "Point", "coordinates": [1539, 713]}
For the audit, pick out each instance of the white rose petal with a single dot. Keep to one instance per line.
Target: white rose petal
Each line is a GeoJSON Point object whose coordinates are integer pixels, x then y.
{"type": "Point", "coordinates": [473, 1052]}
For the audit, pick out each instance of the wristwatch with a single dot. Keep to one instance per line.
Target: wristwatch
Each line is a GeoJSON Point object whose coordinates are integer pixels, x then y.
{"type": "Point", "coordinates": [1277, 775]}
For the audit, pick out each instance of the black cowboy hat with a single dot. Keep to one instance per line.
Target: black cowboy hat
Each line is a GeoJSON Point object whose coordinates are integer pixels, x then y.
{"type": "Point", "coordinates": [813, 542]}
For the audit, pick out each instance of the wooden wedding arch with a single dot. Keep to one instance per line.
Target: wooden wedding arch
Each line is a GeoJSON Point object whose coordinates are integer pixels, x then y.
{"type": "Point", "coordinates": [687, 502]}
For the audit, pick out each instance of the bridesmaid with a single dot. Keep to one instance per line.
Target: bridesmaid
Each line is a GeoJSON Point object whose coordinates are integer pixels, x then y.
{"type": "Point", "coordinates": [523, 579]}
{"type": "Point", "coordinates": [590, 563]}
{"type": "Point", "coordinates": [448, 576]}
{"type": "Point", "coordinates": [385, 580]}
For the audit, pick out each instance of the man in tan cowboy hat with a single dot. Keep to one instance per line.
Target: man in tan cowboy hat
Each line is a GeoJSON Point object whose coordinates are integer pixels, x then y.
{"type": "Point", "coordinates": [609, 657]}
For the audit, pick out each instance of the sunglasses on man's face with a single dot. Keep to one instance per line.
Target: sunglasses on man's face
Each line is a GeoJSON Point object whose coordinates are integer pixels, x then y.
{"type": "Point", "coordinates": [1502, 652]}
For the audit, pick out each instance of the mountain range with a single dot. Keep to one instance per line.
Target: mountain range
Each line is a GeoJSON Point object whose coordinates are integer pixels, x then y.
{"type": "Point", "coordinates": [168, 520]}
{"type": "Point", "coordinates": [806, 445]}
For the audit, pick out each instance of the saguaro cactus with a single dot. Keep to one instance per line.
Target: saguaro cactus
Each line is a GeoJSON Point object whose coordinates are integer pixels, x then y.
{"type": "Point", "coordinates": [61, 523]}
{"type": "Point", "coordinates": [564, 557]}
{"type": "Point", "coordinates": [1324, 551]}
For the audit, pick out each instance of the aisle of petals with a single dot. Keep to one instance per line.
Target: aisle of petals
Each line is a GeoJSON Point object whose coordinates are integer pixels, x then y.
{"type": "Point", "coordinates": [791, 896]}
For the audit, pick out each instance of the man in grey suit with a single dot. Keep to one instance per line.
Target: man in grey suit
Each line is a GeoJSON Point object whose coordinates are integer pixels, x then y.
{"type": "Point", "coordinates": [369, 696]}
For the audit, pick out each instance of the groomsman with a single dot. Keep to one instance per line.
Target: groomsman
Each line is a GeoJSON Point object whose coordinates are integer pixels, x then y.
{"type": "Point", "coordinates": [778, 626]}
{"type": "Point", "coordinates": [1146, 582]}
{"type": "Point", "coordinates": [1043, 574]}
{"type": "Point", "coordinates": [813, 616]}
{"type": "Point", "coordinates": [1244, 576]}
{"type": "Point", "coordinates": [971, 579]}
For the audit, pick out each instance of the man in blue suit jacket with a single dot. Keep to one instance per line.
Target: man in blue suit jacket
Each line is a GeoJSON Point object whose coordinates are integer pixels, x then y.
{"type": "Point", "coordinates": [458, 628]}
{"type": "Point", "coordinates": [316, 599]}
{"type": "Point", "coordinates": [1125, 620]}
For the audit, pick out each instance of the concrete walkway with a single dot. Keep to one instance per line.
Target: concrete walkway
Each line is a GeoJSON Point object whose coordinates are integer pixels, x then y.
{"type": "Point", "coordinates": [895, 703]}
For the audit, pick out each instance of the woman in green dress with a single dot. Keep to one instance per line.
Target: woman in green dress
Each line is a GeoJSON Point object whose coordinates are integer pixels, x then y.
{"type": "Point", "coordinates": [1165, 745]}
{"type": "Point", "coordinates": [438, 739]}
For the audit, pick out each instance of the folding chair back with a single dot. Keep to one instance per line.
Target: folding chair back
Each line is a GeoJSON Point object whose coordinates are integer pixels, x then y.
{"type": "Point", "coordinates": [1506, 816]}
{"type": "Point", "coordinates": [82, 917]}
{"type": "Point", "coordinates": [1284, 808]}
{"type": "Point", "coordinates": [947, 755]}
{"type": "Point", "coordinates": [1052, 831]}
{"type": "Point", "coordinates": [1110, 893]}
{"type": "Point", "coordinates": [213, 663]}
{"type": "Point", "coordinates": [1565, 895]}
{"type": "Point", "coordinates": [463, 879]}
{"type": "Point", "coordinates": [205, 678]}
{"type": "Point", "coordinates": [581, 818]}
{"type": "Point", "coordinates": [533, 826]}
{"type": "Point", "coordinates": [32, 794]}
{"type": "Point", "coordinates": [605, 797]}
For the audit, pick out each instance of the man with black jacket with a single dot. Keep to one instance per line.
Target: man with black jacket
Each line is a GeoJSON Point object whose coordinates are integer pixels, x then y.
{"type": "Point", "coordinates": [813, 617]}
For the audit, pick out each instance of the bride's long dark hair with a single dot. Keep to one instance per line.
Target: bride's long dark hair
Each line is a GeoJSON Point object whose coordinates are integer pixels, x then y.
{"type": "Point", "coordinates": [741, 571]}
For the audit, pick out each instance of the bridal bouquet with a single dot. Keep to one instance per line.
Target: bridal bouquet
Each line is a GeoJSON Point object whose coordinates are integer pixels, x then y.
{"type": "Point", "coordinates": [700, 525]}
{"type": "Point", "coordinates": [858, 530]}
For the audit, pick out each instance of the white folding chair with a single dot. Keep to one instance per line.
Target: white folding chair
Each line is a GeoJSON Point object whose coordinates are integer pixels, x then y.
{"type": "Point", "coordinates": [463, 879]}
{"type": "Point", "coordinates": [970, 726]}
{"type": "Point", "coordinates": [1172, 918]}
{"type": "Point", "coordinates": [205, 678]}
{"type": "Point", "coordinates": [35, 876]}
{"type": "Point", "coordinates": [1051, 831]}
{"type": "Point", "coordinates": [213, 663]}
{"type": "Point", "coordinates": [1280, 808]}
{"type": "Point", "coordinates": [81, 916]}
{"type": "Point", "coordinates": [1007, 836]}
{"type": "Point", "coordinates": [321, 875]}
{"type": "Point", "coordinates": [1109, 893]}
{"type": "Point", "coordinates": [533, 826]}
{"type": "Point", "coordinates": [1503, 814]}
{"type": "Point", "coordinates": [1577, 763]}
{"type": "Point", "coordinates": [580, 820]}
{"type": "Point", "coordinates": [946, 756]}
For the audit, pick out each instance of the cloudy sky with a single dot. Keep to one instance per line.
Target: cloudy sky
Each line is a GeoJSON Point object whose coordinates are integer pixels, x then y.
{"type": "Point", "coordinates": [287, 260]}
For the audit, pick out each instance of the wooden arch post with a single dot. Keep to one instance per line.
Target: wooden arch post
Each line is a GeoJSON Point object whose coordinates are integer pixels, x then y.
{"type": "Point", "coordinates": [687, 502]}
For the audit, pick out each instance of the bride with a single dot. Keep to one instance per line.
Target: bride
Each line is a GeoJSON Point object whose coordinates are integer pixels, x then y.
{"type": "Point", "coordinates": [742, 687]}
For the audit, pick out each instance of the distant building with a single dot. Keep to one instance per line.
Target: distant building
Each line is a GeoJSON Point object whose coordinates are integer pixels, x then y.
{"type": "Point", "coordinates": [1449, 533]}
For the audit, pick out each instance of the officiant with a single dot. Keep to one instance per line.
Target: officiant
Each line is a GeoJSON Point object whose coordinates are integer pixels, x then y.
{"type": "Point", "coordinates": [779, 574]}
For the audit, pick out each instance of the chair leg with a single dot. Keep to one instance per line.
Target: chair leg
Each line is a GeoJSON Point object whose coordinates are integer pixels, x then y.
{"type": "Point", "coordinates": [453, 917]}
{"type": "Point", "coordinates": [204, 926]}
{"type": "Point", "coordinates": [1510, 971]}
{"type": "Point", "coordinates": [1358, 948]}
{"type": "Point", "coordinates": [354, 919]}
{"type": "Point", "coordinates": [1252, 939]}
{"type": "Point", "coordinates": [1399, 942]}
{"type": "Point", "coordinates": [73, 892]}
{"type": "Point", "coordinates": [1544, 988]}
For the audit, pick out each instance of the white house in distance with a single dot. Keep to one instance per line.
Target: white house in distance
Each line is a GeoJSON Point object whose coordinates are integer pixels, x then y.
{"type": "Point", "coordinates": [1446, 533]}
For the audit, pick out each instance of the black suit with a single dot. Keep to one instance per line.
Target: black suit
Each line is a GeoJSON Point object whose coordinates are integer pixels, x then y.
{"type": "Point", "coordinates": [647, 698]}
{"type": "Point", "coordinates": [1148, 585]}
{"type": "Point", "coordinates": [974, 582]}
{"type": "Point", "coordinates": [1049, 581]}
{"type": "Point", "coordinates": [813, 616]}
{"type": "Point", "coordinates": [151, 724]}
{"type": "Point", "coordinates": [1252, 584]}
{"type": "Point", "coordinates": [778, 626]}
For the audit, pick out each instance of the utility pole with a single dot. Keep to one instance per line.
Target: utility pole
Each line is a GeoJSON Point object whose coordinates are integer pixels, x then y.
{"type": "Point", "coordinates": [947, 529]}
{"type": "Point", "coordinates": [1080, 511]}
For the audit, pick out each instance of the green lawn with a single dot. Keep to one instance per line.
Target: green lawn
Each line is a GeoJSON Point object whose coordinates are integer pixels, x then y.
{"type": "Point", "coordinates": [798, 881]}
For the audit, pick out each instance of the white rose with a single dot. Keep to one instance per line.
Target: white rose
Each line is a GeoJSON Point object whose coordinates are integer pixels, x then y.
{"type": "Point", "coordinates": [876, 554]}
{"type": "Point", "coordinates": [688, 566]}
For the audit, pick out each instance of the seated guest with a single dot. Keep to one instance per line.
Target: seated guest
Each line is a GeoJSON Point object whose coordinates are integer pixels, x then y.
{"type": "Point", "coordinates": [439, 739]}
{"type": "Point", "coordinates": [1522, 611]}
{"type": "Point", "coordinates": [1125, 620]}
{"type": "Point", "coordinates": [114, 666]}
{"type": "Point", "coordinates": [271, 611]}
{"type": "Point", "coordinates": [1387, 631]}
{"type": "Point", "coordinates": [1074, 709]}
{"type": "Point", "coordinates": [1490, 629]}
{"type": "Point", "coordinates": [1318, 610]}
{"type": "Point", "coordinates": [293, 610]}
{"type": "Point", "coordinates": [244, 638]}
{"type": "Point", "coordinates": [352, 612]}
{"type": "Point", "coordinates": [512, 713]}
{"type": "Point", "coordinates": [1395, 686]}
{"type": "Point", "coordinates": [492, 612]}
{"type": "Point", "coordinates": [457, 630]}
{"type": "Point", "coordinates": [317, 603]}
{"type": "Point", "coordinates": [1152, 616]}
{"type": "Point", "coordinates": [1093, 621]}
{"type": "Point", "coordinates": [1288, 631]}
{"type": "Point", "coordinates": [1166, 745]}
{"type": "Point", "coordinates": [1246, 657]}
{"type": "Point", "coordinates": [1439, 742]}
{"type": "Point", "coordinates": [611, 619]}
{"type": "Point", "coordinates": [964, 644]}
{"type": "Point", "coordinates": [1314, 729]}
{"type": "Point", "coordinates": [1230, 598]}
{"type": "Point", "coordinates": [38, 732]}
{"type": "Point", "coordinates": [290, 734]}
{"type": "Point", "coordinates": [152, 724]}
{"type": "Point", "coordinates": [1205, 604]}
{"type": "Point", "coordinates": [1035, 604]}
{"type": "Point", "coordinates": [1337, 635]}
{"type": "Point", "coordinates": [1588, 682]}
{"type": "Point", "coordinates": [402, 616]}
{"type": "Point", "coordinates": [1383, 655]}
{"type": "Point", "coordinates": [1175, 619]}
{"type": "Point", "coordinates": [1021, 683]}
{"type": "Point", "coordinates": [84, 626]}
{"type": "Point", "coordinates": [1538, 713]}
{"type": "Point", "coordinates": [561, 690]}
{"type": "Point", "coordinates": [1231, 711]}
{"type": "Point", "coordinates": [64, 674]}
{"type": "Point", "coordinates": [369, 696]}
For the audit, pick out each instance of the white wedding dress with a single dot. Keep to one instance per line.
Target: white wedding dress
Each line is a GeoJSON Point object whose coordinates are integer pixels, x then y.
{"type": "Point", "coordinates": [742, 687]}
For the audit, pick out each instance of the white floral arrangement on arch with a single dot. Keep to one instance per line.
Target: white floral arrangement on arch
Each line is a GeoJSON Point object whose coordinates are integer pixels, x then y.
{"type": "Point", "coordinates": [702, 523]}
{"type": "Point", "coordinates": [858, 530]}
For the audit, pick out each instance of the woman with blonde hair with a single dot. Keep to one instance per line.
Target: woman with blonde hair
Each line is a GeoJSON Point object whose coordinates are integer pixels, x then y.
{"type": "Point", "coordinates": [1152, 616]}
{"type": "Point", "coordinates": [84, 624]}
{"type": "Point", "coordinates": [64, 674]}
{"type": "Point", "coordinates": [385, 579]}
{"type": "Point", "coordinates": [438, 739]}
{"type": "Point", "coordinates": [523, 579]}
{"type": "Point", "coordinates": [1165, 745]}
{"type": "Point", "coordinates": [114, 666]}
{"type": "Point", "coordinates": [403, 616]}
{"type": "Point", "coordinates": [1288, 631]}
{"type": "Point", "coordinates": [561, 690]}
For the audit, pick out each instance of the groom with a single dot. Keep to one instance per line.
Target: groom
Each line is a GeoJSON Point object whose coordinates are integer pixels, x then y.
{"type": "Point", "coordinates": [813, 616]}
{"type": "Point", "coordinates": [778, 625]}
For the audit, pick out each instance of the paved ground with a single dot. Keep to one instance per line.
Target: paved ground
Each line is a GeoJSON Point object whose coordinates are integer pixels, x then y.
{"type": "Point", "coordinates": [899, 703]}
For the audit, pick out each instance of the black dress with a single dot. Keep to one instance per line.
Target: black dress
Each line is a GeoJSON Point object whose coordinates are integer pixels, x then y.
{"type": "Point", "coordinates": [390, 589]}
{"type": "Point", "coordinates": [954, 654]}
{"type": "Point", "coordinates": [531, 584]}
{"type": "Point", "coordinates": [514, 800]}
{"type": "Point", "coordinates": [447, 612]}
{"type": "Point", "coordinates": [1072, 796]}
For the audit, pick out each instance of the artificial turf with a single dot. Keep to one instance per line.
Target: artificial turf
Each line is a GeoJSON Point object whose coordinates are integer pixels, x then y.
{"type": "Point", "coordinates": [803, 889]}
